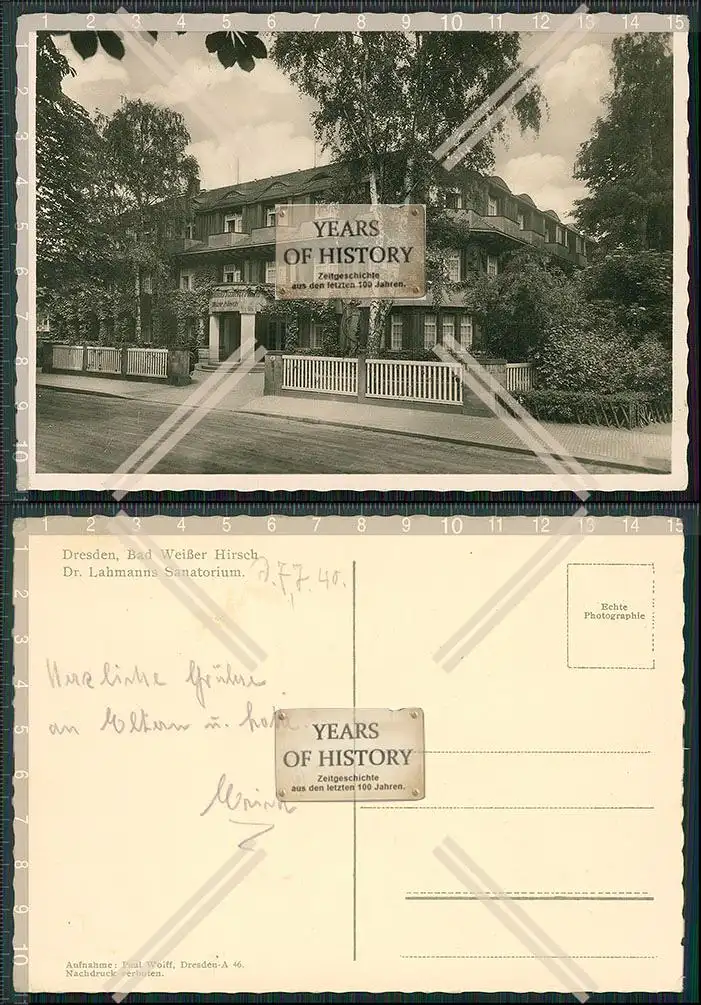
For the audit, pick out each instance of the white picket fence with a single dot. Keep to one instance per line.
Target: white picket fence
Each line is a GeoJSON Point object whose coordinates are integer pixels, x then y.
{"type": "Point", "coordinates": [326, 374]}
{"type": "Point", "coordinates": [411, 380]}
{"type": "Point", "coordinates": [147, 362]}
{"type": "Point", "coordinates": [103, 360]}
{"type": "Point", "coordinates": [67, 357]}
{"type": "Point", "coordinates": [108, 359]}
{"type": "Point", "coordinates": [519, 377]}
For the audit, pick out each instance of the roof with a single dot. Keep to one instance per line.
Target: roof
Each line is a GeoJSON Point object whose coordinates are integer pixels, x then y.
{"type": "Point", "coordinates": [296, 182]}
{"type": "Point", "coordinates": [526, 198]}
{"type": "Point", "coordinates": [552, 213]}
{"type": "Point", "coordinates": [496, 180]}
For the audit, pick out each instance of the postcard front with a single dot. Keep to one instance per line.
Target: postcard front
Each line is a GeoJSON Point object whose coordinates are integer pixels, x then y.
{"type": "Point", "coordinates": [375, 252]}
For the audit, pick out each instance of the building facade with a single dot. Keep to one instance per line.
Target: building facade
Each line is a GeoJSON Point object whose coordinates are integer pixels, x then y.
{"type": "Point", "coordinates": [229, 248]}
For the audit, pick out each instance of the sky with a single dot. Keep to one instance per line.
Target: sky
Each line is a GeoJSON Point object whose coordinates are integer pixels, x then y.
{"type": "Point", "coordinates": [258, 124]}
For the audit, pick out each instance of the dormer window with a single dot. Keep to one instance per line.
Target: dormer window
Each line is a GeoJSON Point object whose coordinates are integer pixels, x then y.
{"type": "Point", "coordinates": [233, 223]}
{"type": "Point", "coordinates": [190, 231]}
{"type": "Point", "coordinates": [521, 221]}
{"type": "Point", "coordinates": [270, 217]}
{"type": "Point", "coordinates": [559, 235]}
{"type": "Point", "coordinates": [492, 207]}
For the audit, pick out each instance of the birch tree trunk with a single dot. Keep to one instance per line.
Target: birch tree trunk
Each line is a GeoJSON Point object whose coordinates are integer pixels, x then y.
{"type": "Point", "coordinates": [374, 333]}
{"type": "Point", "coordinates": [137, 295]}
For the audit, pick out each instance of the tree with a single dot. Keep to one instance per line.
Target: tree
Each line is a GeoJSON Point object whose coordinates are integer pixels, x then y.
{"type": "Point", "coordinates": [385, 100]}
{"type": "Point", "coordinates": [636, 285]}
{"type": "Point", "coordinates": [627, 163]}
{"type": "Point", "coordinates": [68, 148]}
{"type": "Point", "coordinates": [148, 181]}
{"type": "Point", "coordinates": [519, 307]}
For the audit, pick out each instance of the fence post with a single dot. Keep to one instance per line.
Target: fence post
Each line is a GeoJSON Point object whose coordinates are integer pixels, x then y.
{"type": "Point", "coordinates": [362, 378]}
{"type": "Point", "coordinates": [179, 366]}
{"type": "Point", "coordinates": [272, 379]}
{"type": "Point", "coordinates": [123, 361]}
{"type": "Point", "coordinates": [47, 358]}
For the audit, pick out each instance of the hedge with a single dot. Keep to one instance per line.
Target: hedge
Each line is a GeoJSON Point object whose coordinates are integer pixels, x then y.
{"type": "Point", "coordinates": [626, 410]}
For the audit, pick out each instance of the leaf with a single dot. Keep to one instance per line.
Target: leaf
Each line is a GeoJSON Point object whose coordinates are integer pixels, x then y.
{"type": "Point", "coordinates": [246, 62]}
{"type": "Point", "coordinates": [216, 40]}
{"type": "Point", "coordinates": [226, 54]}
{"type": "Point", "coordinates": [255, 45]}
{"type": "Point", "coordinates": [243, 57]}
{"type": "Point", "coordinates": [111, 43]}
{"type": "Point", "coordinates": [84, 43]}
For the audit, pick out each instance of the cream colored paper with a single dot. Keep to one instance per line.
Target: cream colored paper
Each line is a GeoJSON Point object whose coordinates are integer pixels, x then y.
{"type": "Point", "coordinates": [545, 856]}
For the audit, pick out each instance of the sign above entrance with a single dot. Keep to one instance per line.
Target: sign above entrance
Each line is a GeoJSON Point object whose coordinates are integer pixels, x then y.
{"type": "Point", "coordinates": [226, 299]}
{"type": "Point", "coordinates": [350, 252]}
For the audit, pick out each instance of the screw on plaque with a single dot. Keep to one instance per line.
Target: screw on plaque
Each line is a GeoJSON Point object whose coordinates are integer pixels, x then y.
{"type": "Point", "coordinates": [414, 714]}
{"type": "Point", "coordinates": [415, 793]}
{"type": "Point", "coordinates": [281, 794]}
{"type": "Point", "coordinates": [281, 716]}
{"type": "Point", "coordinates": [417, 290]}
{"type": "Point", "coordinates": [414, 212]}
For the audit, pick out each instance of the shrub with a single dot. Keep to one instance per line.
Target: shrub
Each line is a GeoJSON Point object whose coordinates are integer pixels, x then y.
{"type": "Point", "coordinates": [626, 409]}
{"type": "Point", "coordinates": [601, 359]}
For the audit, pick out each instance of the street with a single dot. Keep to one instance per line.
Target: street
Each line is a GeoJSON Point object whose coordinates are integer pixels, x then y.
{"type": "Point", "coordinates": [91, 434]}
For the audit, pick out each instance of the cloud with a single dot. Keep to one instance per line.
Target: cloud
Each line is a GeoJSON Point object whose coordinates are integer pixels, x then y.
{"type": "Point", "coordinates": [547, 179]}
{"type": "Point", "coordinates": [261, 151]}
{"type": "Point", "coordinates": [94, 82]}
{"type": "Point", "coordinates": [582, 77]}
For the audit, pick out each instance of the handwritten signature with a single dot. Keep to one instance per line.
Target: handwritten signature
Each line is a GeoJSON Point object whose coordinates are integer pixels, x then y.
{"type": "Point", "coordinates": [227, 795]}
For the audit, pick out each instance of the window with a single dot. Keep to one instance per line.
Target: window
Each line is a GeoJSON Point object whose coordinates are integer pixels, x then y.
{"type": "Point", "coordinates": [146, 284]}
{"type": "Point", "coordinates": [579, 245]}
{"type": "Point", "coordinates": [395, 332]}
{"type": "Point", "coordinates": [233, 223]}
{"type": "Point", "coordinates": [466, 332]}
{"type": "Point", "coordinates": [559, 235]}
{"type": "Point", "coordinates": [269, 216]}
{"type": "Point", "coordinates": [190, 231]}
{"type": "Point", "coordinates": [270, 272]}
{"type": "Point", "coordinates": [430, 331]}
{"type": "Point", "coordinates": [521, 221]}
{"type": "Point", "coordinates": [492, 207]}
{"type": "Point", "coordinates": [492, 265]}
{"type": "Point", "coordinates": [448, 330]}
{"type": "Point", "coordinates": [315, 336]}
{"type": "Point", "coordinates": [453, 263]}
{"type": "Point", "coordinates": [453, 198]}
{"type": "Point", "coordinates": [233, 274]}
{"type": "Point", "coordinates": [187, 281]}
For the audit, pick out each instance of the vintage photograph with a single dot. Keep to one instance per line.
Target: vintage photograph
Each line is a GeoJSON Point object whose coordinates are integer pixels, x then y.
{"type": "Point", "coordinates": [552, 323]}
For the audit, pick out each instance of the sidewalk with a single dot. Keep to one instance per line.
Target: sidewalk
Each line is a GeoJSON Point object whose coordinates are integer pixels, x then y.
{"type": "Point", "coordinates": [242, 391]}
{"type": "Point", "coordinates": [646, 449]}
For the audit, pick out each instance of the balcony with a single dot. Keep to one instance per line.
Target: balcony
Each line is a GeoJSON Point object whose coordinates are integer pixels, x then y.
{"type": "Point", "coordinates": [228, 239]}
{"type": "Point", "coordinates": [177, 245]}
